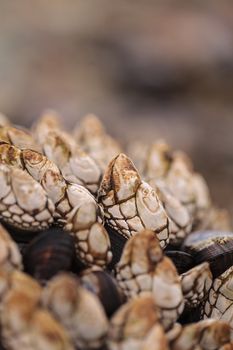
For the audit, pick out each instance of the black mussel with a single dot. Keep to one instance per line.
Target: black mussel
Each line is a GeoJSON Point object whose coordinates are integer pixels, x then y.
{"type": "Point", "coordinates": [18, 235]}
{"type": "Point", "coordinates": [105, 287]}
{"type": "Point", "coordinates": [22, 247]}
{"type": "Point", "coordinates": [117, 243]}
{"type": "Point", "coordinates": [183, 261]}
{"type": "Point", "coordinates": [49, 253]}
{"type": "Point", "coordinates": [191, 315]}
{"type": "Point", "coordinates": [212, 246]}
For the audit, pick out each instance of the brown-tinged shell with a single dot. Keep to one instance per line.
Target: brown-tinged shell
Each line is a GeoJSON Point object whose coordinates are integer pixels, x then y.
{"type": "Point", "coordinates": [156, 339]}
{"type": "Point", "coordinates": [92, 137]}
{"type": "Point", "coordinates": [180, 220]}
{"type": "Point", "coordinates": [144, 268]}
{"type": "Point", "coordinates": [76, 165]}
{"type": "Point", "coordinates": [48, 121]}
{"type": "Point", "coordinates": [159, 162]}
{"type": "Point", "coordinates": [10, 155]}
{"type": "Point", "coordinates": [153, 161]}
{"type": "Point", "coordinates": [78, 310]}
{"type": "Point", "coordinates": [105, 287]}
{"type": "Point", "coordinates": [132, 323]}
{"type": "Point", "coordinates": [23, 201]}
{"type": "Point", "coordinates": [18, 137]}
{"type": "Point", "coordinates": [219, 304]}
{"type": "Point", "coordinates": [24, 325]}
{"type": "Point", "coordinates": [196, 284]}
{"type": "Point", "coordinates": [10, 257]}
{"type": "Point", "coordinates": [228, 346]}
{"type": "Point", "coordinates": [65, 195]}
{"type": "Point", "coordinates": [129, 204]}
{"type": "Point", "coordinates": [84, 223]}
{"type": "Point", "coordinates": [203, 335]}
{"type": "Point", "coordinates": [49, 253]}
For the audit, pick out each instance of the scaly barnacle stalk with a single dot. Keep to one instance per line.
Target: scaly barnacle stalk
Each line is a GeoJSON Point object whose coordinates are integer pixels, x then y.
{"type": "Point", "coordinates": [143, 268]}
{"type": "Point", "coordinates": [130, 204]}
{"type": "Point", "coordinates": [78, 310]}
{"type": "Point", "coordinates": [23, 201]}
{"type": "Point", "coordinates": [179, 217]}
{"type": "Point", "coordinates": [219, 304]}
{"type": "Point", "coordinates": [94, 140]}
{"type": "Point", "coordinates": [196, 284]}
{"type": "Point", "coordinates": [72, 203]}
{"type": "Point", "coordinates": [77, 208]}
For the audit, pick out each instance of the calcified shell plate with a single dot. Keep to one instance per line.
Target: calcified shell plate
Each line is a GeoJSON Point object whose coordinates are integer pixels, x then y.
{"type": "Point", "coordinates": [130, 204]}
{"type": "Point", "coordinates": [23, 202]}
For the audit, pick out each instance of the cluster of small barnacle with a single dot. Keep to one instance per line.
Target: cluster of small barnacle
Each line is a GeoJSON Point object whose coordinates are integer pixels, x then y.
{"type": "Point", "coordinates": [108, 253]}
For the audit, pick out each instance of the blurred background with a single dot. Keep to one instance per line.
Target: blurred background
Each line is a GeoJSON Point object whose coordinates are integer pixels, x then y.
{"type": "Point", "coordinates": [148, 68]}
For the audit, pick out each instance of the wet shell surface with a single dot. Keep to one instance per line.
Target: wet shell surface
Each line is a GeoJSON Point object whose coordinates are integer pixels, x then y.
{"type": "Point", "coordinates": [49, 253]}
{"type": "Point", "coordinates": [129, 204]}
{"type": "Point", "coordinates": [183, 261]}
{"type": "Point", "coordinates": [23, 202]}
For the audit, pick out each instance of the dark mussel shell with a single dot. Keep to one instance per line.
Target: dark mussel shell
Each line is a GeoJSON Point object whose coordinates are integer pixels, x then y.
{"type": "Point", "coordinates": [105, 287]}
{"type": "Point", "coordinates": [117, 243]}
{"type": "Point", "coordinates": [49, 253]}
{"type": "Point", "coordinates": [18, 235]}
{"type": "Point", "coordinates": [212, 246]}
{"type": "Point", "coordinates": [190, 315]}
{"type": "Point", "coordinates": [183, 261]}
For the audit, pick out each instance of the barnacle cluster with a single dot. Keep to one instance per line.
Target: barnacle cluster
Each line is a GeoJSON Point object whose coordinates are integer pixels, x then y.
{"type": "Point", "coordinates": [101, 249]}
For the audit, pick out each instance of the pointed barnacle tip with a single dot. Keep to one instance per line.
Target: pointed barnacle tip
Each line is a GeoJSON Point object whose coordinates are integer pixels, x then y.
{"type": "Point", "coordinates": [31, 157]}
{"type": "Point", "coordinates": [124, 163]}
{"type": "Point", "coordinates": [93, 124]}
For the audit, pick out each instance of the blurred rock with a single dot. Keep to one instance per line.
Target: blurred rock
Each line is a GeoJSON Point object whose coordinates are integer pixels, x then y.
{"type": "Point", "coordinates": [162, 68]}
